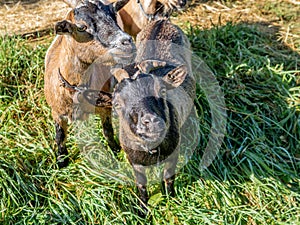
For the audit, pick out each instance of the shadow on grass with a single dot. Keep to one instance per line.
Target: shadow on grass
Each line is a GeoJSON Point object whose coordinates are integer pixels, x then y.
{"type": "Point", "coordinates": [259, 76]}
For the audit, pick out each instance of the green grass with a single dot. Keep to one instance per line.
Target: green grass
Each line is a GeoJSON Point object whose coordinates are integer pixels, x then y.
{"type": "Point", "coordinates": [254, 180]}
{"type": "Point", "coordinates": [282, 9]}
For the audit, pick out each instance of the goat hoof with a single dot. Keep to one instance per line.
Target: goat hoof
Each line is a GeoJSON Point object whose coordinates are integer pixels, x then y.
{"type": "Point", "coordinates": [116, 153]}
{"type": "Point", "coordinates": [168, 189]}
{"type": "Point", "coordinates": [116, 150]}
{"type": "Point", "coordinates": [143, 212]}
{"type": "Point", "coordinates": [62, 161]}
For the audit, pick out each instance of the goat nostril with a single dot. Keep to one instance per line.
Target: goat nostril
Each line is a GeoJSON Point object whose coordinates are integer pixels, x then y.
{"type": "Point", "coordinates": [146, 121]}
{"type": "Point", "coordinates": [125, 41]}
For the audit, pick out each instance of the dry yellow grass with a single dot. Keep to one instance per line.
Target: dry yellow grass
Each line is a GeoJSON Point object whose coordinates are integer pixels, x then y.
{"type": "Point", "coordinates": [25, 17]}
{"type": "Point", "coordinates": [20, 18]}
{"type": "Point", "coordinates": [211, 13]}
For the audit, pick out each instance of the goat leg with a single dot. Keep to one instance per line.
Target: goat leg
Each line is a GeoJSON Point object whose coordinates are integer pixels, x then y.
{"type": "Point", "coordinates": [62, 158]}
{"type": "Point", "coordinates": [141, 184]}
{"type": "Point", "coordinates": [169, 174]}
{"type": "Point", "coordinates": [109, 134]}
{"type": "Point", "coordinates": [168, 186]}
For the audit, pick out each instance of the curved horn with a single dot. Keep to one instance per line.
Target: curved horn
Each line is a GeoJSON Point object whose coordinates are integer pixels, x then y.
{"type": "Point", "coordinates": [97, 98]}
{"type": "Point", "coordinates": [147, 65]}
{"type": "Point", "coordinates": [119, 74]}
{"type": "Point", "coordinates": [90, 100]}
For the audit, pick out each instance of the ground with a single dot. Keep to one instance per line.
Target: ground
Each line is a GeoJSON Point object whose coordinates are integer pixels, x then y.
{"type": "Point", "coordinates": [253, 49]}
{"type": "Point", "coordinates": [282, 15]}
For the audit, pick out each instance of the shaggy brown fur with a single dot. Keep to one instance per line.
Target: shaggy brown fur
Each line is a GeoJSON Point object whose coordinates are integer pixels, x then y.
{"type": "Point", "coordinates": [89, 32]}
{"type": "Point", "coordinates": [134, 18]}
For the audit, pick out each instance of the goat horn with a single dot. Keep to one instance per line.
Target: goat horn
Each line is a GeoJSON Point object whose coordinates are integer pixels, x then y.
{"type": "Point", "coordinates": [119, 74]}
{"type": "Point", "coordinates": [97, 98]}
{"type": "Point", "coordinates": [91, 100]}
{"type": "Point", "coordinates": [147, 65]}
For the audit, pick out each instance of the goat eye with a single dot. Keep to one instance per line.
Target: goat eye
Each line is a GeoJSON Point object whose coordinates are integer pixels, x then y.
{"type": "Point", "coordinates": [81, 28]}
{"type": "Point", "coordinates": [163, 92]}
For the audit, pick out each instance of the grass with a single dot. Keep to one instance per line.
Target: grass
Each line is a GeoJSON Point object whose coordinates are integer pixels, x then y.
{"type": "Point", "coordinates": [254, 180]}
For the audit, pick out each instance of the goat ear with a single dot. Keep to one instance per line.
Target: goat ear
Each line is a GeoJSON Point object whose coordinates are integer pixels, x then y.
{"type": "Point", "coordinates": [63, 27]}
{"type": "Point", "coordinates": [119, 74]}
{"type": "Point", "coordinates": [118, 5]}
{"type": "Point", "coordinates": [176, 76]}
{"type": "Point", "coordinates": [147, 65]}
{"type": "Point", "coordinates": [72, 3]}
{"type": "Point", "coordinates": [90, 100]}
{"type": "Point", "coordinates": [98, 98]}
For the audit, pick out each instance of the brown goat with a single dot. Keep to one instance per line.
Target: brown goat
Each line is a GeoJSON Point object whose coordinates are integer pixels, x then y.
{"type": "Point", "coordinates": [89, 32]}
{"type": "Point", "coordinates": [136, 14]}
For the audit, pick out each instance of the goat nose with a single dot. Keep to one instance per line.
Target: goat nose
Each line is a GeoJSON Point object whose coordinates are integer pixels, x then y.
{"type": "Point", "coordinates": [148, 119]}
{"type": "Point", "coordinates": [124, 40]}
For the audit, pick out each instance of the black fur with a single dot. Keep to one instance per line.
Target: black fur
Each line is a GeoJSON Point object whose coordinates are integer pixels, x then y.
{"type": "Point", "coordinates": [62, 157]}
